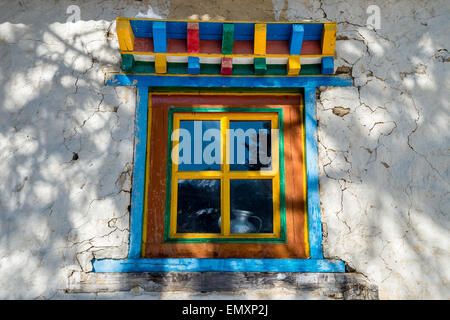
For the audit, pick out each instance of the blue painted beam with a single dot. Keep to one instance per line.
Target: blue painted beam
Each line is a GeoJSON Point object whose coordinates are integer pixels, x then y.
{"type": "Point", "coordinates": [282, 31]}
{"type": "Point", "coordinates": [148, 80]}
{"type": "Point", "coordinates": [312, 175]}
{"type": "Point", "coordinates": [138, 191]}
{"type": "Point", "coordinates": [159, 36]}
{"type": "Point", "coordinates": [193, 65]}
{"type": "Point", "coordinates": [296, 40]}
{"type": "Point", "coordinates": [218, 265]}
{"type": "Point", "coordinates": [327, 66]}
{"type": "Point", "coordinates": [213, 30]}
{"type": "Point", "coordinates": [142, 28]}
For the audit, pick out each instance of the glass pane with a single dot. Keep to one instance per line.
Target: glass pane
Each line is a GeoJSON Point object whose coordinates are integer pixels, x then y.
{"type": "Point", "coordinates": [198, 208]}
{"type": "Point", "coordinates": [199, 145]}
{"type": "Point", "coordinates": [250, 146]}
{"type": "Point", "coordinates": [251, 206]}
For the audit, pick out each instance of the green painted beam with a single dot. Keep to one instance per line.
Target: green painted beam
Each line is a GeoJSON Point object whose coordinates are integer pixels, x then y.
{"type": "Point", "coordinates": [260, 65]}
{"type": "Point", "coordinates": [227, 38]}
{"type": "Point", "coordinates": [128, 62]}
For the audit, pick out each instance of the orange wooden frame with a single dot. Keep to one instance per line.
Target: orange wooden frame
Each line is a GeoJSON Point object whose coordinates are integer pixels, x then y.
{"type": "Point", "coordinates": [296, 245]}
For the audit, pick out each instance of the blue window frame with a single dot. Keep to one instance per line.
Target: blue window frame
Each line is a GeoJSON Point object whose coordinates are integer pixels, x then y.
{"type": "Point", "coordinates": [316, 262]}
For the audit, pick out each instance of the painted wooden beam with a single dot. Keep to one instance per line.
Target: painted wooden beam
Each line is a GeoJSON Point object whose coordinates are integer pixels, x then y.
{"type": "Point", "coordinates": [125, 34]}
{"type": "Point", "coordinates": [260, 65]}
{"type": "Point", "coordinates": [194, 65]}
{"type": "Point", "coordinates": [160, 63]}
{"type": "Point", "coordinates": [231, 82]}
{"type": "Point", "coordinates": [293, 66]}
{"type": "Point", "coordinates": [327, 66]}
{"type": "Point", "coordinates": [227, 38]}
{"type": "Point", "coordinates": [137, 193]}
{"type": "Point", "coordinates": [227, 66]}
{"type": "Point", "coordinates": [127, 63]}
{"type": "Point", "coordinates": [296, 39]}
{"type": "Point", "coordinates": [212, 30]}
{"type": "Point", "coordinates": [329, 38]}
{"type": "Point", "coordinates": [193, 40]}
{"type": "Point", "coordinates": [159, 36]}
{"type": "Point", "coordinates": [259, 44]}
{"type": "Point", "coordinates": [312, 175]}
{"type": "Point", "coordinates": [218, 265]}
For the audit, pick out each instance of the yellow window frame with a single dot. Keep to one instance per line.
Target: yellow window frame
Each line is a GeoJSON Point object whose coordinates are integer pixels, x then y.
{"type": "Point", "coordinates": [225, 175]}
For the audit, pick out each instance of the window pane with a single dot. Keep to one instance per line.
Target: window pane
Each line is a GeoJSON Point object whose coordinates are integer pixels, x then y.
{"type": "Point", "coordinates": [200, 150]}
{"type": "Point", "coordinates": [251, 206]}
{"type": "Point", "coordinates": [250, 146]}
{"type": "Point", "coordinates": [198, 208]}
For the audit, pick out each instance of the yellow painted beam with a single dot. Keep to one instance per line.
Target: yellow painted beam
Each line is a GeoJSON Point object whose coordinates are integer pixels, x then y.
{"type": "Point", "coordinates": [160, 64]}
{"type": "Point", "coordinates": [260, 38]}
{"type": "Point", "coordinates": [125, 34]}
{"type": "Point", "coordinates": [293, 65]}
{"type": "Point", "coordinates": [329, 38]}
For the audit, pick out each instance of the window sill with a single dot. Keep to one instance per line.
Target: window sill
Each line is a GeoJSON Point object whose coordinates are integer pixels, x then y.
{"type": "Point", "coordinates": [229, 284]}
{"type": "Point", "coordinates": [218, 265]}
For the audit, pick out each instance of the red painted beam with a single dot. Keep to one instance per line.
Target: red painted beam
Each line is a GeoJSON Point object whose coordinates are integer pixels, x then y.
{"type": "Point", "coordinates": [193, 40]}
{"type": "Point", "coordinates": [227, 66]}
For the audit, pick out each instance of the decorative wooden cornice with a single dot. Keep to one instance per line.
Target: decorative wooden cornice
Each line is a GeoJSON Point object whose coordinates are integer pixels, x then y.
{"type": "Point", "coordinates": [236, 48]}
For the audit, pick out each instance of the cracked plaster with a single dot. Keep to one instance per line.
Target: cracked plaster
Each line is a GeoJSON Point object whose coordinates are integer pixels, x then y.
{"type": "Point", "coordinates": [383, 144]}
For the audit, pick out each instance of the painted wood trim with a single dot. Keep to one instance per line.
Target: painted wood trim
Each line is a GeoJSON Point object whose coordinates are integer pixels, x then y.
{"type": "Point", "coordinates": [217, 60]}
{"type": "Point", "coordinates": [138, 192]}
{"type": "Point", "coordinates": [160, 64]}
{"type": "Point", "coordinates": [233, 21]}
{"type": "Point", "coordinates": [147, 176]}
{"type": "Point", "coordinates": [151, 80]}
{"type": "Point", "coordinates": [312, 175]}
{"type": "Point", "coordinates": [305, 180]}
{"type": "Point", "coordinates": [212, 30]}
{"type": "Point", "coordinates": [193, 65]}
{"type": "Point", "coordinates": [327, 66]}
{"type": "Point", "coordinates": [259, 43]}
{"type": "Point", "coordinates": [227, 38]}
{"type": "Point", "coordinates": [329, 39]}
{"type": "Point", "coordinates": [260, 66]}
{"type": "Point", "coordinates": [276, 175]}
{"type": "Point", "coordinates": [218, 55]}
{"type": "Point", "coordinates": [193, 40]}
{"type": "Point", "coordinates": [296, 39]}
{"type": "Point", "coordinates": [125, 34]}
{"type": "Point", "coordinates": [218, 265]}
{"type": "Point", "coordinates": [293, 66]}
{"type": "Point", "coordinates": [159, 36]}
{"type": "Point", "coordinates": [133, 264]}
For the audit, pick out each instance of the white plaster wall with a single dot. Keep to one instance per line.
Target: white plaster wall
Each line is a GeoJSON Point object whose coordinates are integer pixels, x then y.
{"type": "Point", "coordinates": [384, 143]}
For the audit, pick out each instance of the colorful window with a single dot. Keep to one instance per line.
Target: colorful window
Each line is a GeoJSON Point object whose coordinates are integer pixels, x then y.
{"type": "Point", "coordinates": [196, 215]}
{"type": "Point", "coordinates": [224, 176]}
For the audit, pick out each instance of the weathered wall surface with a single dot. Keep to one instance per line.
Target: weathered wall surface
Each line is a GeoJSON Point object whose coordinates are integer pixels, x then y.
{"type": "Point", "coordinates": [66, 140]}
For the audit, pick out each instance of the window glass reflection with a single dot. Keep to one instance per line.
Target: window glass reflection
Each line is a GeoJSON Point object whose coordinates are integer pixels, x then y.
{"type": "Point", "coordinates": [200, 151]}
{"type": "Point", "coordinates": [251, 206]}
{"type": "Point", "coordinates": [198, 209]}
{"type": "Point", "coordinates": [250, 145]}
